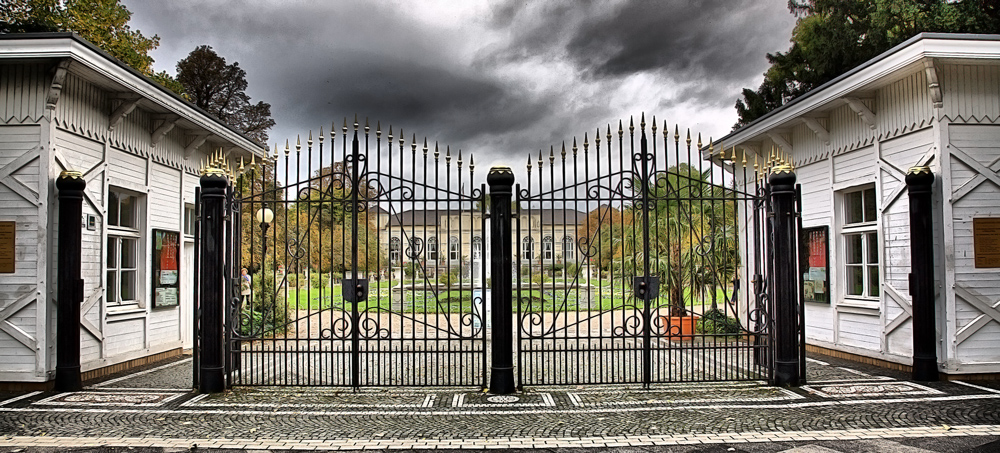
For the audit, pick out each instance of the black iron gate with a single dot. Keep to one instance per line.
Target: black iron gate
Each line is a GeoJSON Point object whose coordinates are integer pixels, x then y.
{"type": "Point", "coordinates": [365, 270]}
{"type": "Point", "coordinates": [632, 261]}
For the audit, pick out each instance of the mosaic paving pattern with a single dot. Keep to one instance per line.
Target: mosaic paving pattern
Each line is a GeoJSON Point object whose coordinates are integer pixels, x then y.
{"type": "Point", "coordinates": [134, 399]}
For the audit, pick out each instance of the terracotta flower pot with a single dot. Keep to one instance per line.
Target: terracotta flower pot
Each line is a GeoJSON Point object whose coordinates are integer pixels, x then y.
{"type": "Point", "coordinates": [679, 326]}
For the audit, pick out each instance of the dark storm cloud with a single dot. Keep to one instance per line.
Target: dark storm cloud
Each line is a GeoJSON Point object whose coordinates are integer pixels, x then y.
{"type": "Point", "coordinates": [712, 42]}
{"type": "Point", "coordinates": [499, 79]}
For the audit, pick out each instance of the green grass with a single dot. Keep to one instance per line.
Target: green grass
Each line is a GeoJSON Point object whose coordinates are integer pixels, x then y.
{"type": "Point", "coordinates": [605, 297]}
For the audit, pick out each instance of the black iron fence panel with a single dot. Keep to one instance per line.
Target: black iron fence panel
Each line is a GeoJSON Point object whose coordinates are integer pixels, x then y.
{"type": "Point", "coordinates": [635, 260]}
{"type": "Point", "coordinates": [358, 264]}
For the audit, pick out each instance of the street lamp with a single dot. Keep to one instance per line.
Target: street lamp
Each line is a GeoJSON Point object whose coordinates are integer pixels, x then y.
{"type": "Point", "coordinates": [265, 216]}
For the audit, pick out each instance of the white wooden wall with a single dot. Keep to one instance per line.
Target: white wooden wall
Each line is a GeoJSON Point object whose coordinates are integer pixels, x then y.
{"type": "Point", "coordinates": [24, 194]}
{"type": "Point", "coordinates": [35, 145]}
{"type": "Point", "coordinates": [908, 130]}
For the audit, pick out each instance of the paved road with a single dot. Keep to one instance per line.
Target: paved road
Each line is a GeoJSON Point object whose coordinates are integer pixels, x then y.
{"type": "Point", "coordinates": [844, 407]}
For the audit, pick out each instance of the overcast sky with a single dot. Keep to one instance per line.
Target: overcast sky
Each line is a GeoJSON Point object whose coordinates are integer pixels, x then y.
{"type": "Point", "coordinates": [497, 78]}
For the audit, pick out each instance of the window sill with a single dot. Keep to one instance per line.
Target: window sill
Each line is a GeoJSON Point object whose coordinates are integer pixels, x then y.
{"type": "Point", "coordinates": [125, 313]}
{"type": "Point", "coordinates": [861, 307]}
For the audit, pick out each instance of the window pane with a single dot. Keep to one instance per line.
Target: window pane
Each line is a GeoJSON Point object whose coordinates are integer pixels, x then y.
{"type": "Point", "coordinates": [870, 205]}
{"type": "Point", "coordinates": [112, 208]}
{"type": "Point", "coordinates": [874, 284]}
{"type": "Point", "coordinates": [128, 285]}
{"type": "Point", "coordinates": [855, 281]}
{"type": "Point", "coordinates": [129, 257]}
{"type": "Point", "coordinates": [127, 211]}
{"type": "Point", "coordinates": [854, 207]}
{"type": "Point", "coordinates": [872, 239]}
{"type": "Point", "coordinates": [112, 257]}
{"type": "Point", "coordinates": [854, 249]}
{"type": "Point", "coordinates": [112, 288]}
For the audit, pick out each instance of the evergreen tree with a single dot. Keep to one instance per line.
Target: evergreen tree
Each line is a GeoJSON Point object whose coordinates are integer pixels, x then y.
{"type": "Point", "coordinates": [833, 36]}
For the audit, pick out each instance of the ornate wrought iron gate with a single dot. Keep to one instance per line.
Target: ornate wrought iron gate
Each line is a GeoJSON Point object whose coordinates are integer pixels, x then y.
{"type": "Point", "coordinates": [647, 281]}
{"type": "Point", "coordinates": [365, 270]}
{"type": "Point", "coordinates": [634, 261]}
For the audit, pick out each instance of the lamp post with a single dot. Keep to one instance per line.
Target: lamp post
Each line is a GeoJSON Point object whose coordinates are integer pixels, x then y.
{"type": "Point", "coordinates": [264, 216]}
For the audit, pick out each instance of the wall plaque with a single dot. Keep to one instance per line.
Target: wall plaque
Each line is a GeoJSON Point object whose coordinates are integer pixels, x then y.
{"type": "Point", "coordinates": [166, 269]}
{"type": "Point", "coordinates": [7, 235]}
{"type": "Point", "coordinates": [986, 241]}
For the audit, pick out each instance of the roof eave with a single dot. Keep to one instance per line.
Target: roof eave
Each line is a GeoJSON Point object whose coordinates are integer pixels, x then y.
{"type": "Point", "coordinates": [69, 45]}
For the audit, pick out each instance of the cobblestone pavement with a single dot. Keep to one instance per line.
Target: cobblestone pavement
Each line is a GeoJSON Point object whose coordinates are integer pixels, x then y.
{"type": "Point", "coordinates": [844, 407]}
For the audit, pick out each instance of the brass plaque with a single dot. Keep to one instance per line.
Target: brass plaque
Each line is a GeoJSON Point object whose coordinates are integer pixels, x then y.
{"type": "Point", "coordinates": [7, 230]}
{"type": "Point", "coordinates": [986, 241]}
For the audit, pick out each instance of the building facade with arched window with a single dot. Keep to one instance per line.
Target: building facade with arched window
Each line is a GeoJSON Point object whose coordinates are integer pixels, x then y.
{"type": "Point", "coordinates": [547, 237]}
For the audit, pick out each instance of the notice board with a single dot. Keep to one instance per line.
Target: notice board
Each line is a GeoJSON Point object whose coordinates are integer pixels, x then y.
{"type": "Point", "coordinates": [986, 241]}
{"type": "Point", "coordinates": [7, 247]}
{"type": "Point", "coordinates": [166, 268]}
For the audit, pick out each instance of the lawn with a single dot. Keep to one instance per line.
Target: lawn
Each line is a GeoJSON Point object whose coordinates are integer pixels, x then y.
{"type": "Point", "coordinates": [382, 297]}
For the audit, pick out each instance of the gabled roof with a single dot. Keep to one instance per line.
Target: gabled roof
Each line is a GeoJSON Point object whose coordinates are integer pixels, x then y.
{"type": "Point", "coordinates": [892, 65]}
{"type": "Point", "coordinates": [100, 68]}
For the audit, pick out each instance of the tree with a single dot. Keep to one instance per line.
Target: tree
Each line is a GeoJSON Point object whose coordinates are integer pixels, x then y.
{"type": "Point", "coordinates": [833, 36]}
{"type": "Point", "coordinates": [102, 22]}
{"type": "Point", "coordinates": [220, 89]}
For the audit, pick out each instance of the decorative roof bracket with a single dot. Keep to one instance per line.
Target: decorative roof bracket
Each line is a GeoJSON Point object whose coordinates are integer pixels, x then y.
{"type": "Point", "coordinates": [127, 106]}
{"type": "Point", "coordinates": [863, 111]}
{"type": "Point", "coordinates": [55, 88]}
{"type": "Point", "coordinates": [160, 132]}
{"type": "Point", "coordinates": [818, 129]}
{"type": "Point", "coordinates": [933, 87]}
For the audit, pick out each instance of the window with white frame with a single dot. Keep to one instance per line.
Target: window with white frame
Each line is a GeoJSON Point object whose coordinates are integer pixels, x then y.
{"type": "Point", "coordinates": [860, 239]}
{"type": "Point", "coordinates": [528, 248]}
{"type": "Point", "coordinates": [432, 249]}
{"type": "Point", "coordinates": [477, 248]}
{"type": "Point", "coordinates": [568, 248]}
{"type": "Point", "coordinates": [124, 247]}
{"type": "Point", "coordinates": [453, 252]}
{"type": "Point", "coordinates": [189, 219]}
{"type": "Point", "coordinates": [547, 246]}
{"type": "Point", "coordinates": [395, 247]}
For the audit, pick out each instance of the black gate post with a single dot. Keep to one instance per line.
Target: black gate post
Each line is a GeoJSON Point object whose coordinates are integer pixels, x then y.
{"type": "Point", "coordinates": [501, 180]}
{"type": "Point", "coordinates": [212, 297]}
{"type": "Point", "coordinates": [918, 183]}
{"type": "Point", "coordinates": [70, 185]}
{"type": "Point", "coordinates": [785, 288]}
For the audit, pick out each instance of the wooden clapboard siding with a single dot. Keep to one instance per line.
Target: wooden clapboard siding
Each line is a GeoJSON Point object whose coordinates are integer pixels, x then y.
{"type": "Point", "coordinates": [972, 92]}
{"type": "Point", "coordinates": [903, 106]}
{"type": "Point", "coordinates": [982, 144]}
{"type": "Point", "coordinates": [164, 188]}
{"type": "Point", "coordinates": [854, 166]}
{"type": "Point", "coordinates": [817, 211]}
{"type": "Point", "coordinates": [22, 92]}
{"type": "Point", "coordinates": [20, 146]}
{"type": "Point", "coordinates": [898, 155]}
{"type": "Point", "coordinates": [860, 331]}
{"type": "Point", "coordinates": [87, 156]}
{"type": "Point", "coordinates": [124, 336]}
{"type": "Point", "coordinates": [83, 109]}
{"type": "Point", "coordinates": [847, 131]}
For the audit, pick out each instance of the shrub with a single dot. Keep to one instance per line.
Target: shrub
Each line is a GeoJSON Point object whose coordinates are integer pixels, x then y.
{"type": "Point", "coordinates": [540, 277]}
{"type": "Point", "coordinates": [554, 269]}
{"type": "Point", "coordinates": [411, 269]}
{"type": "Point", "coordinates": [716, 322]}
{"type": "Point", "coordinates": [449, 278]}
{"type": "Point", "coordinates": [264, 312]}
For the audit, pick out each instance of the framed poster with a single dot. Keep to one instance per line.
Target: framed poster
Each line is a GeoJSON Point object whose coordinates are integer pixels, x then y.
{"type": "Point", "coordinates": [166, 268]}
{"type": "Point", "coordinates": [815, 264]}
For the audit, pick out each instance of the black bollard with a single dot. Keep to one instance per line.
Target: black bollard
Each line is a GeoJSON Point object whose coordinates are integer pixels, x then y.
{"type": "Point", "coordinates": [212, 297]}
{"type": "Point", "coordinates": [71, 185]}
{"type": "Point", "coordinates": [501, 180]}
{"type": "Point", "coordinates": [786, 281]}
{"type": "Point", "coordinates": [918, 183]}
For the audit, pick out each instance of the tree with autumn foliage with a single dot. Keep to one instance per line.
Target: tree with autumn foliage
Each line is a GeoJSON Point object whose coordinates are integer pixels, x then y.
{"type": "Point", "coordinates": [102, 22]}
